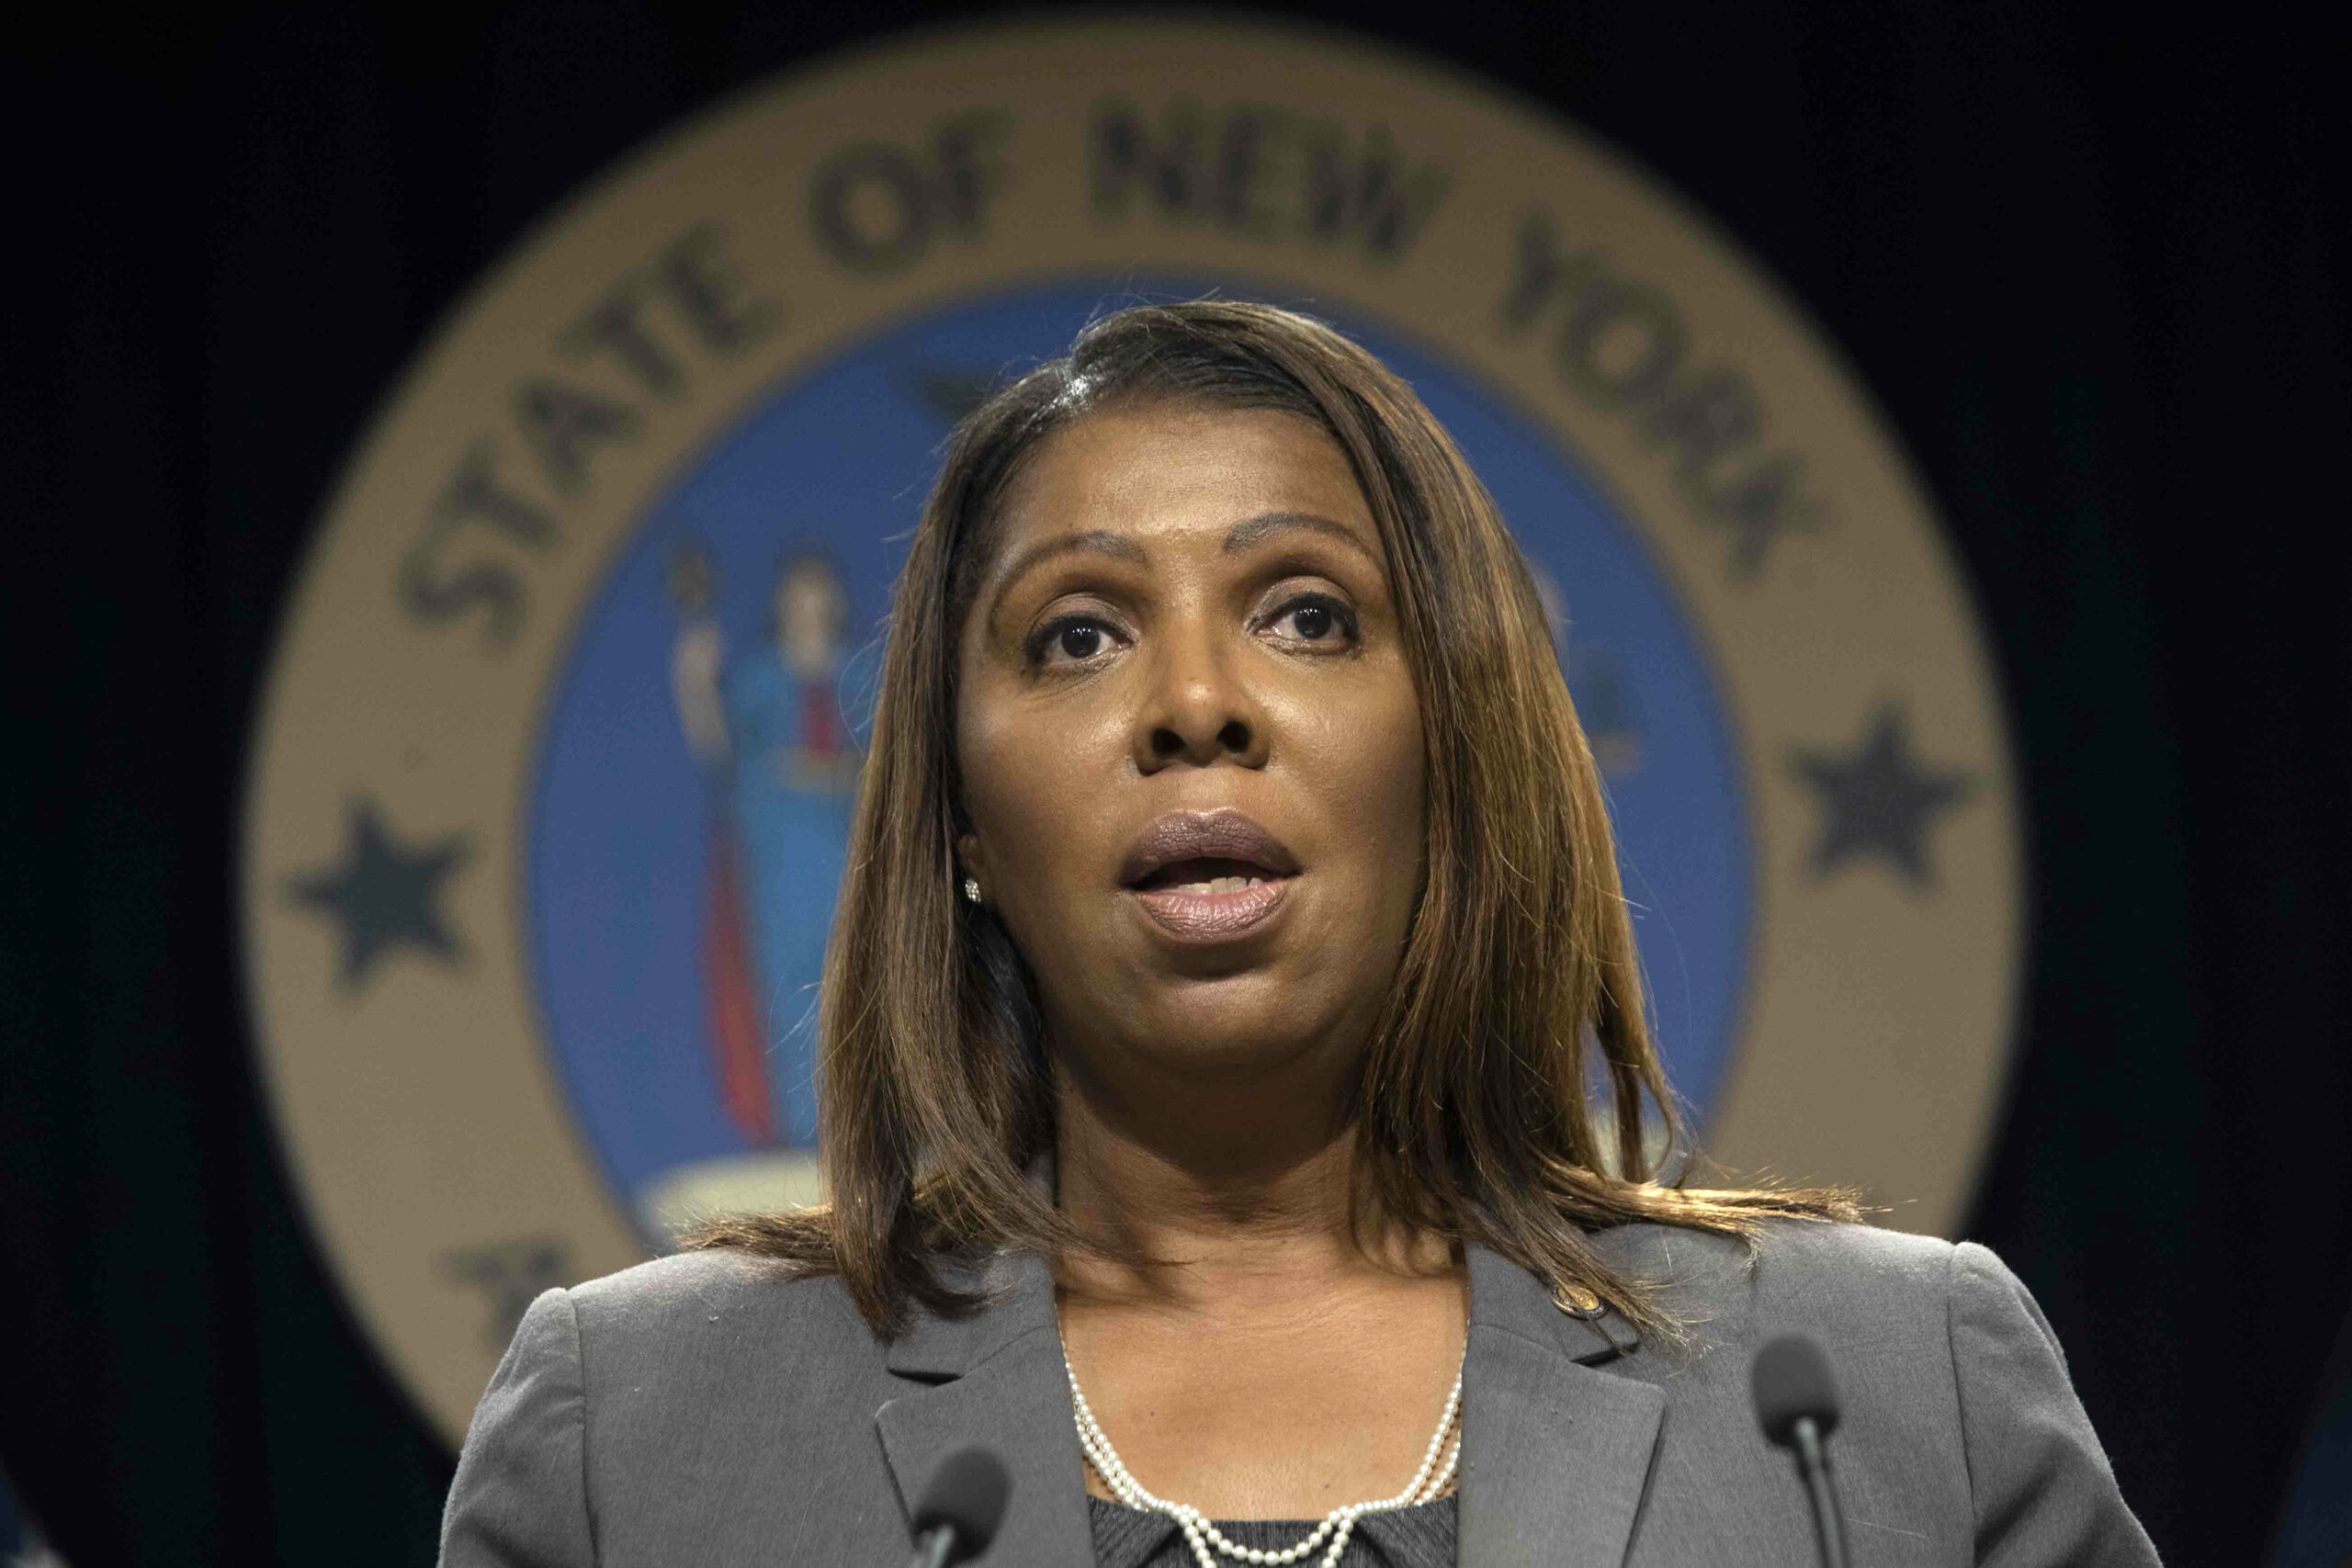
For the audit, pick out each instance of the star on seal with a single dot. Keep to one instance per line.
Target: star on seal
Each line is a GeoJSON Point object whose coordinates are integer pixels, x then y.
{"type": "Point", "coordinates": [383, 894]}
{"type": "Point", "coordinates": [1880, 800]}
{"type": "Point", "coordinates": [510, 1275]}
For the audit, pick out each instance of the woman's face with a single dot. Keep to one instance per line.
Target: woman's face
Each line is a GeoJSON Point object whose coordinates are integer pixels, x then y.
{"type": "Point", "coordinates": [1187, 628]}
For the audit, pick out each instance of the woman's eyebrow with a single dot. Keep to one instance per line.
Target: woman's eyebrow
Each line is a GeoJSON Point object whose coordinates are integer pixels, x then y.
{"type": "Point", "coordinates": [1119, 547]}
{"type": "Point", "coordinates": [1101, 541]}
{"type": "Point", "coordinates": [1267, 525]}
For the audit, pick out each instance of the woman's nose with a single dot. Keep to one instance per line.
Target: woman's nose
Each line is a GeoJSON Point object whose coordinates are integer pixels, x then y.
{"type": "Point", "coordinates": [1197, 708]}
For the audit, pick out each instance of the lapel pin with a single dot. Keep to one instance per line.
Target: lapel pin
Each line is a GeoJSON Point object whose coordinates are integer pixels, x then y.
{"type": "Point", "coordinates": [1576, 1301]}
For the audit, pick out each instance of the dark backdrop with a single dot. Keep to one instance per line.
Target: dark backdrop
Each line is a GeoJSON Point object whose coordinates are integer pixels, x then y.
{"type": "Point", "coordinates": [2093, 265]}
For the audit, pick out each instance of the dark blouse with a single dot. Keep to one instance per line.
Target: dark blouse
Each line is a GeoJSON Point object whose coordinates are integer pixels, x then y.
{"type": "Point", "coordinates": [1418, 1537]}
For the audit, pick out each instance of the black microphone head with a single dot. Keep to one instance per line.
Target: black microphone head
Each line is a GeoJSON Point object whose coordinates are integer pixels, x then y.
{"type": "Point", "coordinates": [967, 1493]}
{"type": "Point", "coordinates": [1791, 1380]}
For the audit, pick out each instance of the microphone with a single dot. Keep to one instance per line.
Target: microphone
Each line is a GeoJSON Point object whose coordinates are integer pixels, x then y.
{"type": "Point", "coordinates": [960, 1507]}
{"type": "Point", "coordinates": [1796, 1404]}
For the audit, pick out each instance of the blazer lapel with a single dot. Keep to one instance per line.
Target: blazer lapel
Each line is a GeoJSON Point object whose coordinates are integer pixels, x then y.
{"type": "Point", "coordinates": [1556, 1451]}
{"type": "Point", "coordinates": [997, 1381]}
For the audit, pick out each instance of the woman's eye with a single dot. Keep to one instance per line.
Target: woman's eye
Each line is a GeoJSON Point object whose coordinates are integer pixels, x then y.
{"type": "Point", "coordinates": [1071, 639]}
{"type": "Point", "coordinates": [1316, 619]}
{"type": "Point", "coordinates": [1078, 639]}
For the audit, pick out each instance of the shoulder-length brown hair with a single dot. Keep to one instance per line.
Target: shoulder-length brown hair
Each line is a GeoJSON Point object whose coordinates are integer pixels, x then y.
{"type": "Point", "coordinates": [1517, 1007]}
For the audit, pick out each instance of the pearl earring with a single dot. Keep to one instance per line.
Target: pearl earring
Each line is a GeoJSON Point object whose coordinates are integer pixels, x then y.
{"type": "Point", "coordinates": [972, 889]}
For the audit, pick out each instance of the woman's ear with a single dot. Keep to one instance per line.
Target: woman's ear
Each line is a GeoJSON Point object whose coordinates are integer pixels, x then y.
{"type": "Point", "coordinates": [968, 856]}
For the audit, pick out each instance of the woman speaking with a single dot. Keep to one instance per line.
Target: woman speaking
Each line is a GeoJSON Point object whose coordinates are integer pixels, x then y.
{"type": "Point", "coordinates": [1237, 1110]}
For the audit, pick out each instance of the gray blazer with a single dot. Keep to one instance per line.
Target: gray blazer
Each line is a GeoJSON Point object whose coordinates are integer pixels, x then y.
{"type": "Point", "coordinates": [697, 1411]}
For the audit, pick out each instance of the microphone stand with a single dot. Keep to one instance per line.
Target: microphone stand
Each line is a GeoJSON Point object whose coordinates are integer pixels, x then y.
{"type": "Point", "coordinates": [1829, 1520]}
{"type": "Point", "coordinates": [936, 1548]}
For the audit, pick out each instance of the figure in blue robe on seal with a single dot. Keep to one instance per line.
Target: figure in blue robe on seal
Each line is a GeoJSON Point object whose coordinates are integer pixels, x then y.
{"type": "Point", "coordinates": [780, 774]}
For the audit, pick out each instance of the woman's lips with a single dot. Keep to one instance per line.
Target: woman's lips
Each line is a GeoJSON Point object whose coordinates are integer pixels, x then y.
{"type": "Point", "coordinates": [1212, 917]}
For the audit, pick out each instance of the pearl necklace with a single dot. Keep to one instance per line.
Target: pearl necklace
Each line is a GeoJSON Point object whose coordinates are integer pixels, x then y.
{"type": "Point", "coordinates": [1337, 1525]}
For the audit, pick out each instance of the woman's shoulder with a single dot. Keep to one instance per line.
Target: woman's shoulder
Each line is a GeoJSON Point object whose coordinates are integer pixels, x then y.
{"type": "Point", "coordinates": [1958, 1414]}
{"type": "Point", "coordinates": [717, 1297]}
{"type": "Point", "coordinates": [640, 1409]}
{"type": "Point", "coordinates": [1819, 1276]}
{"type": "Point", "coordinates": [1804, 1251]}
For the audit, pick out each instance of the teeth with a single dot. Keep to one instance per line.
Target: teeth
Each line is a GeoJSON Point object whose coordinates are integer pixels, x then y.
{"type": "Point", "coordinates": [1220, 884]}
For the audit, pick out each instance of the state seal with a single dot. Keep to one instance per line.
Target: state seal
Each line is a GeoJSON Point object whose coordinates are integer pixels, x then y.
{"type": "Point", "coordinates": [548, 798]}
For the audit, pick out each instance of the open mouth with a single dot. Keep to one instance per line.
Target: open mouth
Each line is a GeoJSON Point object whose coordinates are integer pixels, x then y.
{"type": "Point", "coordinates": [1206, 877]}
{"type": "Point", "coordinates": [1204, 902]}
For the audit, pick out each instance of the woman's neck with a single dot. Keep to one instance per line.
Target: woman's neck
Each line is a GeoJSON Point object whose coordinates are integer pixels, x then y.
{"type": "Point", "coordinates": [1223, 1195]}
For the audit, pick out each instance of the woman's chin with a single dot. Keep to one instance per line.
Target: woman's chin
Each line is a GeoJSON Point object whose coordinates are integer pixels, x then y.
{"type": "Point", "coordinates": [1235, 1039]}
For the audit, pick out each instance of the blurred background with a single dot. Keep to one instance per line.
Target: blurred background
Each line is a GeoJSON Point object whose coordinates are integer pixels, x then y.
{"type": "Point", "coordinates": [2078, 273]}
